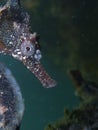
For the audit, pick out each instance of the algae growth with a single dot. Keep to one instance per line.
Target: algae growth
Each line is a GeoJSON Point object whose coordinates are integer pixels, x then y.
{"type": "Point", "coordinates": [85, 116]}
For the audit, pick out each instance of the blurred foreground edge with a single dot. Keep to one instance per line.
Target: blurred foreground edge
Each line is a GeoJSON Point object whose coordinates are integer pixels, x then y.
{"type": "Point", "coordinates": [11, 101]}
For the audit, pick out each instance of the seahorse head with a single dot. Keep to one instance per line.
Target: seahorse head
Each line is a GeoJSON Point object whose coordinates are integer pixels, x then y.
{"type": "Point", "coordinates": [30, 47]}
{"type": "Point", "coordinates": [20, 42]}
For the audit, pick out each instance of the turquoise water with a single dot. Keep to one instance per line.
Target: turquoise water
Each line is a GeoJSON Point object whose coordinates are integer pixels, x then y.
{"type": "Point", "coordinates": [42, 106]}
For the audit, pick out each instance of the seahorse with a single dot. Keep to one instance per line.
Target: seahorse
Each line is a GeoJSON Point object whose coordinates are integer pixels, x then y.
{"type": "Point", "coordinates": [17, 40]}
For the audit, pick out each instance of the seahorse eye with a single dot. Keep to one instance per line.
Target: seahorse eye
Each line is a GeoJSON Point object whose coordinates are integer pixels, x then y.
{"type": "Point", "coordinates": [27, 49]}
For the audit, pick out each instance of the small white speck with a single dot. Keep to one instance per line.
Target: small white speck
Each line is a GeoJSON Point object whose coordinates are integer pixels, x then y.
{"type": "Point", "coordinates": [38, 51]}
{"type": "Point", "coordinates": [11, 43]}
{"type": "Point", "coordinates": [1, 93]}
{"type": "Point", "coordinates": [1, 124]}
{"type": "Point", "coordinates": [0, 76]}
{"type": "Point", "coordinates": [24, 57]}
{"type": "Point", "coordinates": [19, 53]}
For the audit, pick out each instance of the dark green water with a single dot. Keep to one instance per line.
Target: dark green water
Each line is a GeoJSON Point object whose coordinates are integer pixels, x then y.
{"type": "Point", "coordinates": [69, 40]}
{"type": "Point", "coordinates": [41, 105]}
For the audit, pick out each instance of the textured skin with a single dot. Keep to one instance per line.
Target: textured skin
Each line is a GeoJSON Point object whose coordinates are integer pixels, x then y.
{"type": "Point", "coordinates": [11, 102]}
{"type": "Point", "coordinates": [17, 40]}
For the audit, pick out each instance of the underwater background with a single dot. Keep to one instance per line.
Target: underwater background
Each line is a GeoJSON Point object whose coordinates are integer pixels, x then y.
{"type": "Point", "coordinates": [68, 37]}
